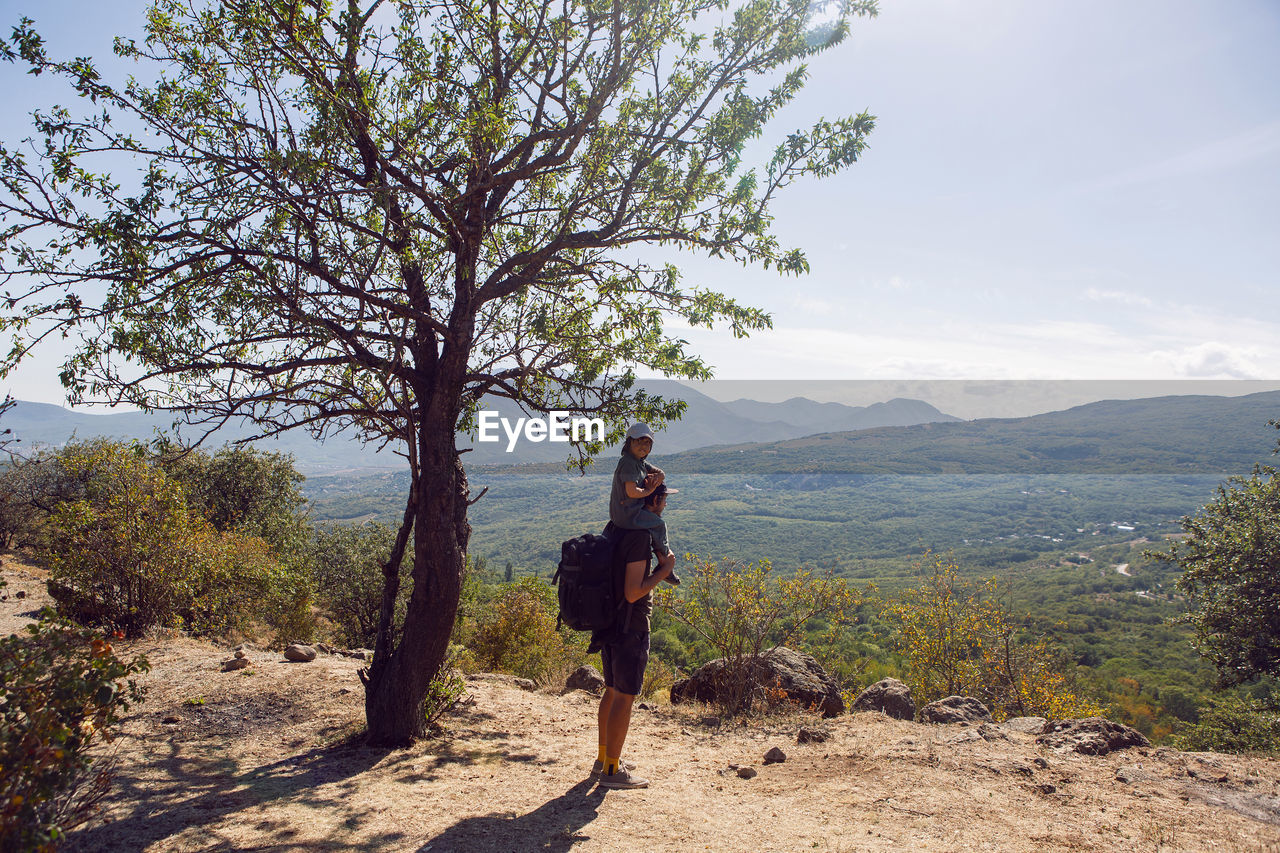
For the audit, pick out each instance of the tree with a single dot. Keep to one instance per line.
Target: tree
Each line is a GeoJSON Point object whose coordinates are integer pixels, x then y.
{"type": "Point", "coordinates": [371, 217]}
{"type": "Point", "coordinates": [1230, 560]}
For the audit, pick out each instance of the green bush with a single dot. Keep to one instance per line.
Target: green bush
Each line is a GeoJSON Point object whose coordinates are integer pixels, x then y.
{"type": "Point", "coordinates": [347, 565]}
{"type": "Point", "coordinates": [245, 490]}
{"type": "Point", "coordinates": [1233, 725]}
{"type": "Point", "coordinates": [515, 632]}
{"type": "Point", "coordinates": [63, 689]}
{"type": "Point", "coordinates": [130, 555]}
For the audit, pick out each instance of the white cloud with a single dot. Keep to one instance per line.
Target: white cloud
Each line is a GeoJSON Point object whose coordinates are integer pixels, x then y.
{"type": "Point", "coordinates": [1095, 295]}
{"type": "Point", "coordinates": [1215, 360]}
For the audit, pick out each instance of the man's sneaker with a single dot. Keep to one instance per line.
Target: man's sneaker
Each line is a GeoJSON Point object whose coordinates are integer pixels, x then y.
{"type": "Point", "coordinates": [598, 767]}
{"type": "Point", "coordinates": [622, 779]}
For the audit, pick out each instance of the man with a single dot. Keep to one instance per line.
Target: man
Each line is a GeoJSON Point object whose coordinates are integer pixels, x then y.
{"type": "Point", "coordinates": [624, 650]}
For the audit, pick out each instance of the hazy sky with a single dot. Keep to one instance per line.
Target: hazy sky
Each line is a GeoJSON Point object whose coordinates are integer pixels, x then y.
{"type": "Point", "coordinates": [1058, 189]}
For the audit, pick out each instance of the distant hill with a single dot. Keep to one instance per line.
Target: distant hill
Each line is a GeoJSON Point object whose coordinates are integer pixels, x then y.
{"type": "Point", "coordinates": [706, 422]}
{"type": "Point", "coordinates": [1161, 435]}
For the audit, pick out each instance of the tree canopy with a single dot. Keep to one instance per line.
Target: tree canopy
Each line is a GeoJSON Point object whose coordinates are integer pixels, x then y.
{"type": "Point", "coordinates": [334, 215]}
{"type": "Point", "coordinates": [1231, 576]}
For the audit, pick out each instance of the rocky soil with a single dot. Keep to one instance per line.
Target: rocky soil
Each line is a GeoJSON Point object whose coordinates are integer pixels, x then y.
{"type": "Point", "coordinates": [269, 757]}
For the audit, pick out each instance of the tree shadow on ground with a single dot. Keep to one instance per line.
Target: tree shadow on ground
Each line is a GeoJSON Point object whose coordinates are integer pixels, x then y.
{"type": "Point", "coordinates": [186, 789]}
{"type": "Point", "coordinates": [555, 826]}
{"type": "Point", "coordinates": [195, 785]}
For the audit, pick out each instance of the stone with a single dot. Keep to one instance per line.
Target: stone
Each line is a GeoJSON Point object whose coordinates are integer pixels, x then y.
{"type": "Point", "coordinates": [239, 653]}
{"type": "Point", "coordinates": [172, 718]}
{"type": "Point", "coordinates": [326, 648]}
{"type": "Point", "coordinates": [889, 696]}
{"type": "Point", "coordinates": [798, 677]}
{"type": "Point", "coordinates": [298, 653]}
{"type": "Point", "coordinates": [1026, 725]}
{"type": "Point", "coordinates": [808, 734]}
{"type": "Point", "coordinates": [585, 677]}
{"type": "Point", "coordinates": [1091, 736]}
{"type": "Point", "coordinates": [747, 772]}
{"type": "Point", "coordinates": [955, 709]}
{"type": "Point", "coordinates": [775, 756]}
{"type": "Point", "coordinates": [236, 663]}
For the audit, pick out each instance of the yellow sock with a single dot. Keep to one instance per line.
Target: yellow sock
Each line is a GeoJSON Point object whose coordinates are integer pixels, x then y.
{"type": "Point", "coordinates": [602, 755]}
{"type": "Point", "coordinates": [611, 765]}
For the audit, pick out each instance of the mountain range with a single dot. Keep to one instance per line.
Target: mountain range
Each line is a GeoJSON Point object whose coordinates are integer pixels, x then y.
{"type": "Point", "coordinates": [1160, 435]}
{"type": "Point", "coordinates": [706, 422]}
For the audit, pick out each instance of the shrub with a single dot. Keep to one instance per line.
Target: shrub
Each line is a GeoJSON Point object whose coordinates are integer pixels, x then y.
{"type": "Point", "coordinates": [516, 633]}
{"type": "Point", "coordinates": [249, 491]}
{"type": "Point", "coordinates": [960, 639]}
{"type": "Point", "coordinates": [347, 564]}
{"type": "Point", "coordinates": [130, 555]}
{"type": "Point", "coordinates": [742, 612]}
{"type": "Point", "coordinates": [446, 691]}
{"type": "Point", "coordinates": [1233, 724]}
{"type": "Point", "coordinates": [63, 689]}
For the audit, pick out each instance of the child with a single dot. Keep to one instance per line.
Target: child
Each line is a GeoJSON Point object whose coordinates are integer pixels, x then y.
{"type": "Point", "coordinates": [634, 480]}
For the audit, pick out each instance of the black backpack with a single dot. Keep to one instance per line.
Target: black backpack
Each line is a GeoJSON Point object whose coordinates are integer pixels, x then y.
{"type": "Point", "coordinates": [589, 589]}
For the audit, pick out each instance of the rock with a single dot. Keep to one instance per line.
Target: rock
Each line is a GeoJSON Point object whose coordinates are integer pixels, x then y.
{"type": "Point", "coordinates": [22, 593]}
{"type": "Point", "coordinates": [1040, 762]}
{"type": "Point", "coordinates": [775, 756]}
{"type": "Point", "coordinates": [236, 663]}
{"type": "Point", "coordinates": [889, 696]}
{"type": "Point", "coordinates": [326, 648]}
{"type": "Point", "coordinates": [299, 653]}
{"type": "Point", "coordinates": [955, 709]}
{"type": "Point", "coordinates": [585, 677]}
{"type": "Point", "coordinates": [239, 653]}
{"type": "Point", "coordinates": [358, 654]}
{"type": "Point", "coordinates": [811, 735]}
{"type": "Point", "coordinates": [172, 718]}
{"type": "Point", "coordinates": [797, 675]}
{"type": "Point", "coordinates": [343, 691]}
{"type": "Point", "coordinates": [1026, 725]}
{"type": "Point", "coordinates": [747, 772]}
{"type": "Point", "coordinates": [1091, 736]}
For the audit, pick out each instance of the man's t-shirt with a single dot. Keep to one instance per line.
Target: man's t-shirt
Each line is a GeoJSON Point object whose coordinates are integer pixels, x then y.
{"type": "Point", "coordinates": [630, 470]}
{"type": "Point", "coordinates": [634, 547]}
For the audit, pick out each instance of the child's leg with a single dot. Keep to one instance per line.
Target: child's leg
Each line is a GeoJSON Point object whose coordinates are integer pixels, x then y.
{"type": "Point", "coordinates": [645, 520]}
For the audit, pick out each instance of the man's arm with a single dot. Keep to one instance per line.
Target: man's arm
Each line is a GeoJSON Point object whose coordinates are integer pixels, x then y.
{"type": "Point", "coordinates": [637, 586]}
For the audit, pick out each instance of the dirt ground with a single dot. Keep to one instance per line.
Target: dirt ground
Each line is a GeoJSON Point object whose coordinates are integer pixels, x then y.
{"type": "Point", "coordinates": [269, 758]}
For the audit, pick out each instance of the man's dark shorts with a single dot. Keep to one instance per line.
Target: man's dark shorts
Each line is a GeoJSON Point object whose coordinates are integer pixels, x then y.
{"type": "Point", "coordinates": [624, 662]}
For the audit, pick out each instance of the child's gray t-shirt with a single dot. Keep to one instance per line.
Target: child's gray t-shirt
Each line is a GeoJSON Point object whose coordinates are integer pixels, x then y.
{"type": "Point", "coordinates": [623, 509]}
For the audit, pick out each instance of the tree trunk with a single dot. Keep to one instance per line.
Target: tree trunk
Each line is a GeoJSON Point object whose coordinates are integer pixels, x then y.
{"type": "Point", "coordinates": [397, 686]}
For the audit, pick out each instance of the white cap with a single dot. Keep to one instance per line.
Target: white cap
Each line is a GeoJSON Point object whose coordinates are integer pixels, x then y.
{"type": "Point", "coordinates": [639, 430]}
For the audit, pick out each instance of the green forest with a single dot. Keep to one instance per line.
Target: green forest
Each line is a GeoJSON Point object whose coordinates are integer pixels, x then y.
{"type": "Point", "coordinates": [1069, 552]}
